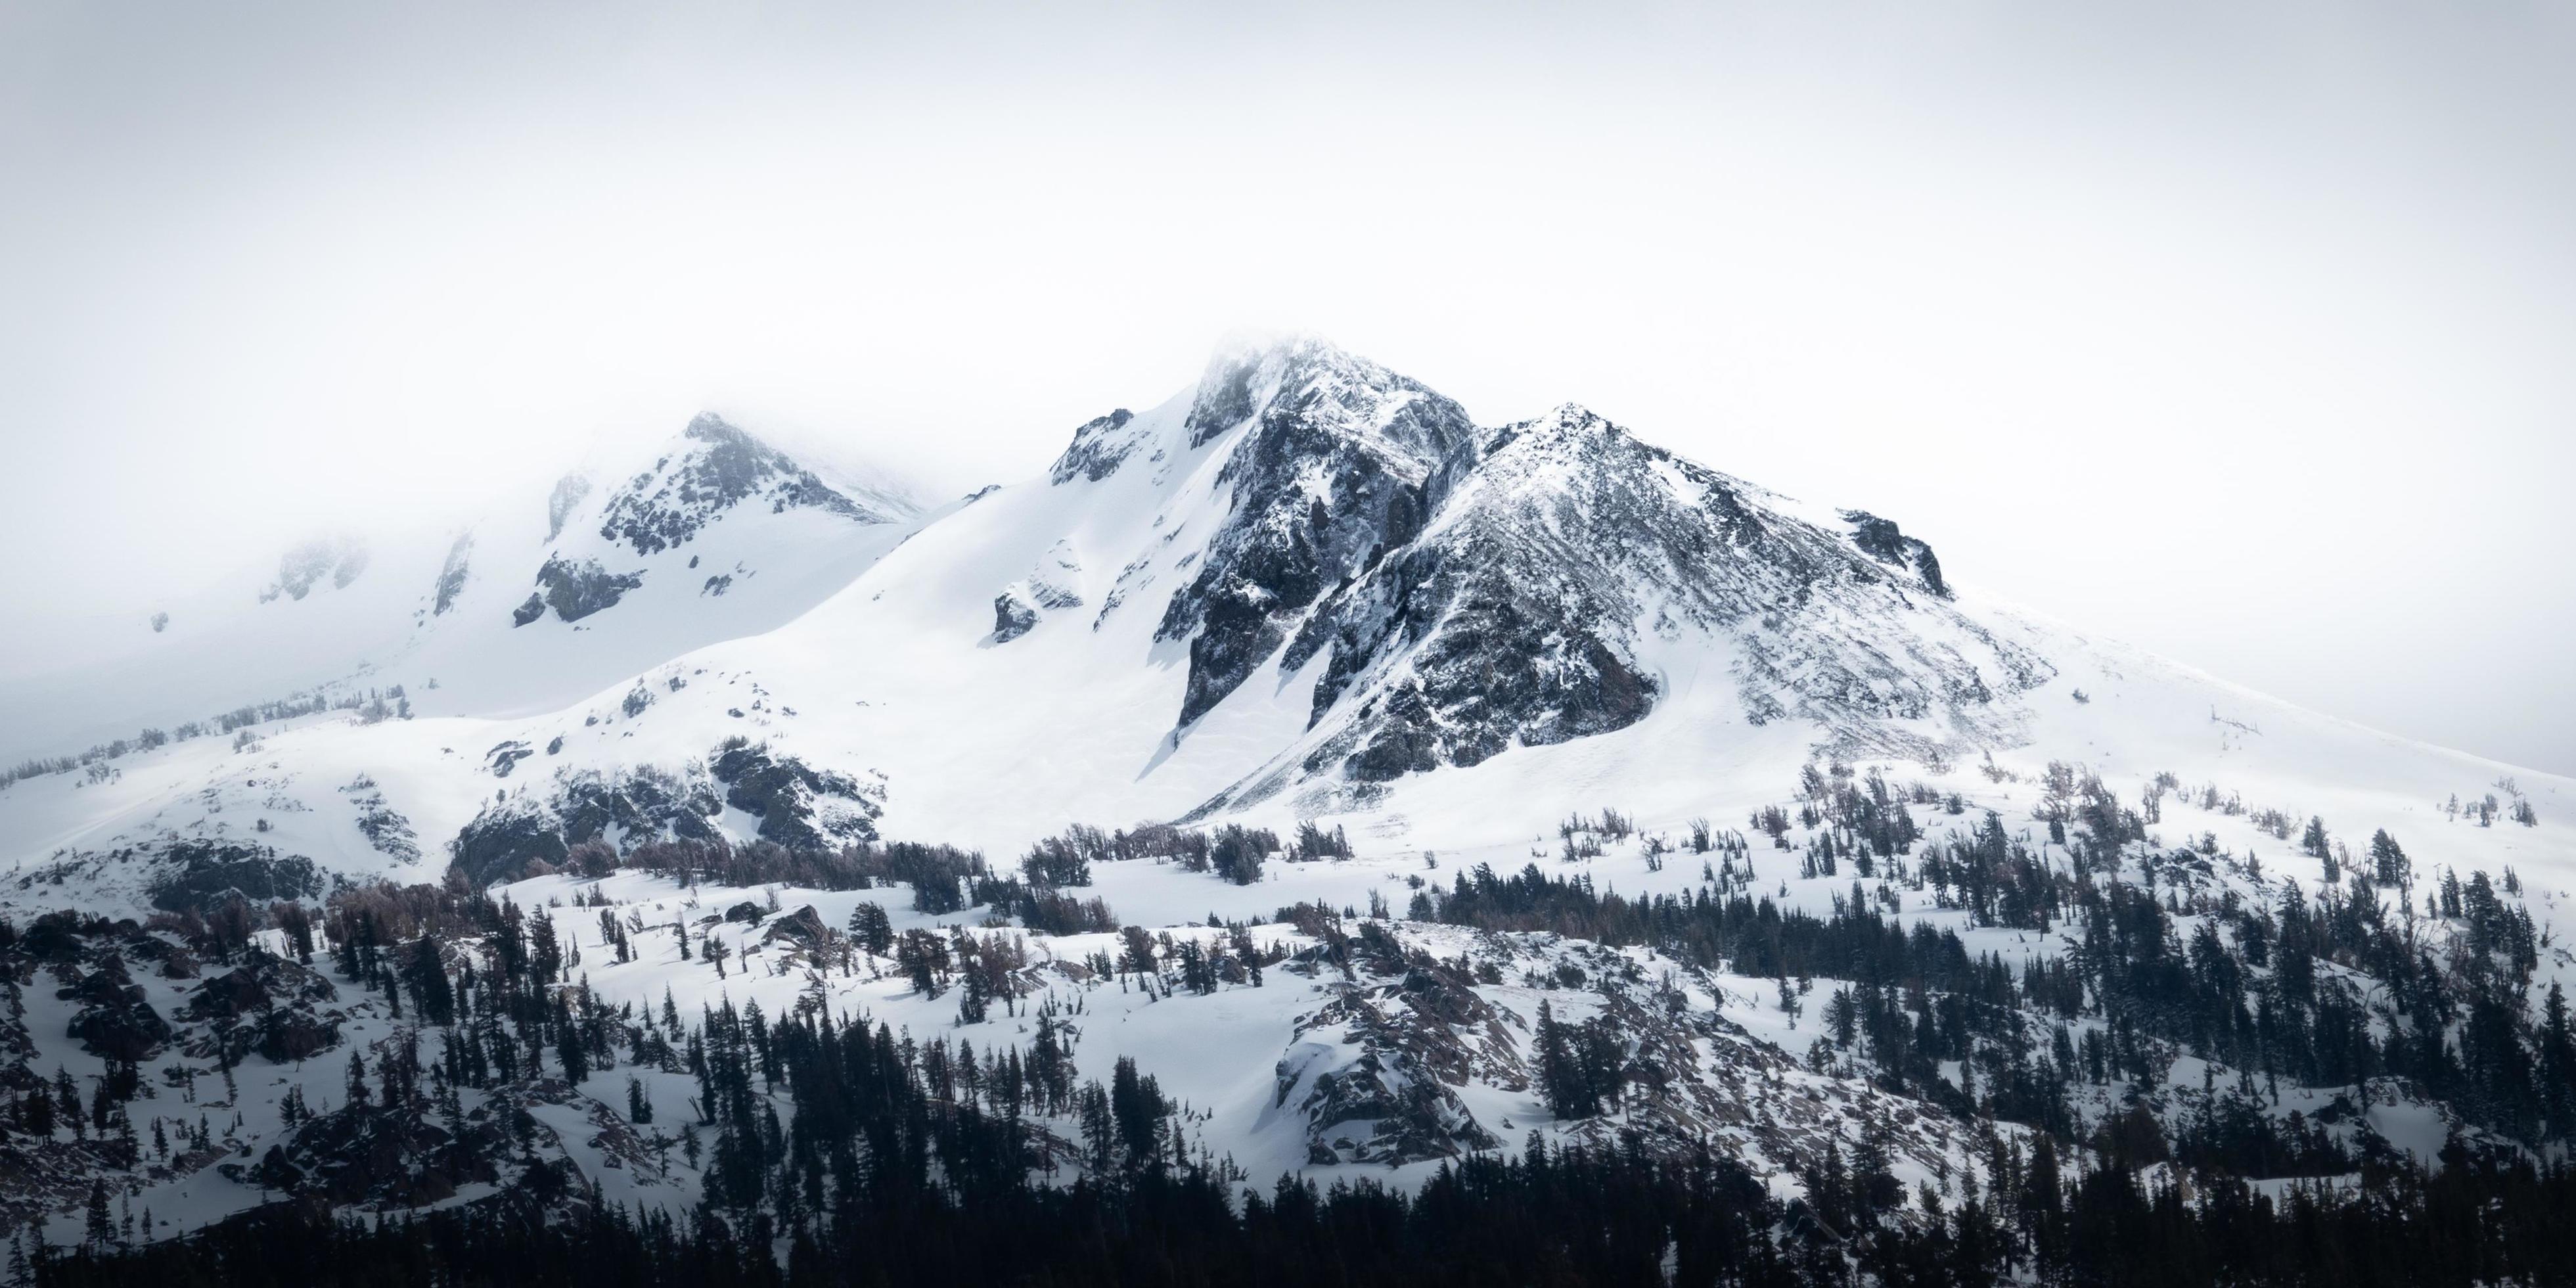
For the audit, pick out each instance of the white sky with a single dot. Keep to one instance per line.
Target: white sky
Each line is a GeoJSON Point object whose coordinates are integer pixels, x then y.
{"type": "Point", "coordinates": [2240, 332]}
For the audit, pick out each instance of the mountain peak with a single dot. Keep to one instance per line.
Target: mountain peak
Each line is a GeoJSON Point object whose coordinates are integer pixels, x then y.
{"type": "Point", "coordinates": [721, 466]}
{"type": "Point", "coordinates": [1326, 389]}
{"type": "Point", "coordinates": [1329, 470]}
{"type": "Point", "coordinates": [1254, 345]}
{"type": "Point", "coordinates": [712, 427]}
{"type": "Point", "coordinates": [1244, 373]}
{"type": "Point", "coordinates": [1568, 424]}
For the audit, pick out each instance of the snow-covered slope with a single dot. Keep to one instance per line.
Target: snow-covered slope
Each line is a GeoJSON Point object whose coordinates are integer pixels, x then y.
{"type": "Point", "coordinates": [704, 536]}
{"type": "Point", "coordinates": [1305, 589]}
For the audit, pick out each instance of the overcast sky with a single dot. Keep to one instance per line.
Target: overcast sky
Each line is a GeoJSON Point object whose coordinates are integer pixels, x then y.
{"type": "Point", "coordinates": [2242, 332]}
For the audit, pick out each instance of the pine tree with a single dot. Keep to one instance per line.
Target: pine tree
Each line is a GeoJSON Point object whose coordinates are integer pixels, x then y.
{"type": "Point", "coordinates": [871, 928]}
{"type": "Point", "coordinates": [298, 926]}
{"type": "Point", "coordinates": [2388, 864]}
{"type": "Point", "coordinates": [429, 984]}
{"type": "Point", "coordinates": [2558, 1065]}
{"type": "Point", "coordinates": [67, 1097]}
{"type": "Point", "coordinates": [1562, 1078]}
{"type": "Point", "coordinates": [569, 1047]}
{"type": "Point", "coordinates": [100, 1229]}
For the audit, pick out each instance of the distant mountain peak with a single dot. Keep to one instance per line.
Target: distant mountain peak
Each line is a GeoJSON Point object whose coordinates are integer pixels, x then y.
{"type": "Point", "coordinates": [720, 467]}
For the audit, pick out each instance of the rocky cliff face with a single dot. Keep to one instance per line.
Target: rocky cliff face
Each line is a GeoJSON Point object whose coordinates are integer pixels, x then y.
{"type": "Point", "coordinates": [1327, 475]}
{"type": "Point", "coordinates": [1099, 447]}
{"type": "Point", "coordinates": [779, 798]}
{"type": "Point", "coordinates": [1425, 1018]}
{"type": "Point", "coordinates": [1466, 591]}
{"type": "Point", "coordinates": [1471, 591]}
{"type": "Point", "coordinates": [1879, 539]}
{"type": "Point", "coordinates": [574, 590]}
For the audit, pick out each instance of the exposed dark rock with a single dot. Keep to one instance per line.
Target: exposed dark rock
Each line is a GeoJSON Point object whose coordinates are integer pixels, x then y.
{"type": "Point", "coordinates": [1879, 539]}
{"type": "Point", "coordinates": [178, 962]}
{"type": "Point", "coordinates": [228, 996]}
{"type": "Point", "coordinates": [1053, 584]}
{"type": "Point", "coordinates": [53, 937]}
{"type": "Point", "coordinates": [1012, 618]}
{"type": "Point", "coordinates": [575, 590]}
{"type": "Point", "coordinates": [505, 757]}
{"type": "Point", "coordinates": [384, 1157]}
{"type": "Point", "coordinates": [262, 981]}
{"type": "Point", "coordinates": [1551, 549]}
{"type": "Point", "coordinates": [642, 804]}
{"type": "Point", "coordinates": [115, 1021]}
{"type": "Point", "coordinates": [802, 929]}
{"type": "Point", "coordinates": [798, 806]}
{"type": "Point", "coordinates": [267, 1005]}
{"type": "Point", "coordinates": [275, 1172]}
{"type": "Point", "coordinates": [1371, 1070]}
{"type": "Point", "coordinates": [287, 1035]}
{"type": "Point", "coordinates": [1225, 397]}
{"type": "Point", "coordinates": [201, 874]}
{"type": "Point", "coordinates": [384, 827]}
{"type": "Point", "coordinates": [502, 842]}
{"type": "Point", "coordinates": [1372, 437]}
{"type": "Point", "coordinates": [723, 466]}
{"type": "Point", "coordinates": [110, 983]}
{"type": "Point", "coordinates": [1098, 449]}
{"type": "Point", "coordinates": [1513, 659]}
{"type": "Point", "coordinates": [1381, 1093]}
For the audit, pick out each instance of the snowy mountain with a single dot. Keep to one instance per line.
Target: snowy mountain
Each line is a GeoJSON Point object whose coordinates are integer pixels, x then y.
{"type": "Point", "coordinates": [704, 536]}
{"type": "Point", "coordinates": [1393, 789]}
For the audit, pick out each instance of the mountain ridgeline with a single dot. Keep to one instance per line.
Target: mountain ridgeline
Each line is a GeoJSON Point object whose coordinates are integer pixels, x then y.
{"type": "Point", "coordinates": [1302, 834]}
{"type": "Point", "coordinates": [1470, 590]}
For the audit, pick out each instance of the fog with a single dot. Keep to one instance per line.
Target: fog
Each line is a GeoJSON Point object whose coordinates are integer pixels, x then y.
{"type": "Point", "coordinates": [2238, 332]}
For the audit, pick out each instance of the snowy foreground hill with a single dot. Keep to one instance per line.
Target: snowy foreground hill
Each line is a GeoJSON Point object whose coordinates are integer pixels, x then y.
{"type": "Point", "coordinates": [1296, 778]}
